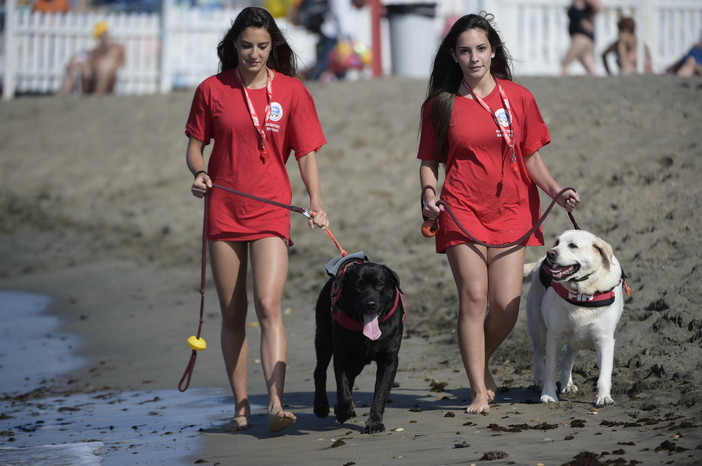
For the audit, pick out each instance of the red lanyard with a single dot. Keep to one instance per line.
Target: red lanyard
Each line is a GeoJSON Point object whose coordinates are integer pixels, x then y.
{"type": "Point", "coordinates": [260, 128]}
{"type": "Point", "coordinates": [506, 131]}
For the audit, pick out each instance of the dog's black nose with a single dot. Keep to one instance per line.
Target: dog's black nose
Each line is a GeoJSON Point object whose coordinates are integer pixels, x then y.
{"type": "Point", "coordinates": [551, 255]}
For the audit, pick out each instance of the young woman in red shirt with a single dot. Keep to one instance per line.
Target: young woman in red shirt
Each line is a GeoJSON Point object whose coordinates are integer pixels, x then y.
{"type": "Point", "coordinates": [257, 112]}
{"type": "Point", "coordinates": [487, 131]}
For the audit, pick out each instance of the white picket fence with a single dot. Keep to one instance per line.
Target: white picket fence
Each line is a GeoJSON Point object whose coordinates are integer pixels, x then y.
{"type": "Point", "coordinates": [181, 42]}
{"type": "Point", "coordinates": [177, 49]}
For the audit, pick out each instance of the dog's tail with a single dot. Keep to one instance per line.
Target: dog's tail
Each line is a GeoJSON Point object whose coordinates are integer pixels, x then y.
{"type": "Point", "coordinates": [530, 267]}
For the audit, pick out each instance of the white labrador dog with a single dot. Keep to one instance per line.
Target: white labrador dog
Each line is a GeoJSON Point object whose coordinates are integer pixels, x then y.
{"type": "Point", "coordinates": [580, 307]}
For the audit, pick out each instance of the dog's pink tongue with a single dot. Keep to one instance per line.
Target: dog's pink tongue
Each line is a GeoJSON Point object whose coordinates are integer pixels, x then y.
{"type": "Point", "coordinates": [371, 329]}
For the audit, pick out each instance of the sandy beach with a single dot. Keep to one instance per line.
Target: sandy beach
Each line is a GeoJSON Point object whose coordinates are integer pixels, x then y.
{"type": "Point", "coordinates": [97, 215]}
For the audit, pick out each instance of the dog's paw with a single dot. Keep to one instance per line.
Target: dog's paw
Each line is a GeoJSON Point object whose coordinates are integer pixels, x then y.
{"type": "Point", "coordinates": [570, 388]}
{"type": "Point", "coordinates": [604, 400]}
{"type": "Point", "coordinates": [321, 405]}
{"type": "Point", "coordinates": [344, 412]}
{"type": "Point", "coordinates": [549, 399]}
{"type": "Point", "coordinates": [321, 410]}
{"type": "Point", "coordinates": [373, 427]}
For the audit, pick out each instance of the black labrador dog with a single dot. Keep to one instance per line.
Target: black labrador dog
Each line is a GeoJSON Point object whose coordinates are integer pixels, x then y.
{"type": "Point", "coordinates": [360, 318]}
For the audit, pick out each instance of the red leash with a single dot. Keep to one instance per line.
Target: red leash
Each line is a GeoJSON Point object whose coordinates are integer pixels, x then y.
{"type": "Point", "coordinates": [431, 226]}
{"type": "Point", "coordinates": [196, 342]}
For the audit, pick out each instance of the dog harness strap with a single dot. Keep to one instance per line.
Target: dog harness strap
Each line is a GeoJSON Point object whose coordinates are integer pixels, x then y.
{"type": "Point", "coordinates": [338, 315]}
{"type": "Point", "coordinates": [345, 321]}
{"type": "Point", "coordinates": [601, 298]}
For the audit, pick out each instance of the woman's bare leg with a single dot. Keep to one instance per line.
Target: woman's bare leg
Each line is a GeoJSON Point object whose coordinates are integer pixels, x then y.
{"type": "Point", "coordinates": [504, 293]}
{"type": "Point", "coordinates": [269, 265]}
{"type": "Point", "coordinates": [229, 262]}
{"type": "Point", "coordinates": [581, 49]}
{"type": "Point", "coordinates": [469, 267]}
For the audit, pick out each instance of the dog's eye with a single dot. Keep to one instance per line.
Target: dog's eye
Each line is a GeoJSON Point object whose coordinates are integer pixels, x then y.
{"type": "Point", "coordinates": [573, 246]}
{"type": "Point", "coordinates": [555, 243]}
{"type": "Point", "coordinates": [379, 285]}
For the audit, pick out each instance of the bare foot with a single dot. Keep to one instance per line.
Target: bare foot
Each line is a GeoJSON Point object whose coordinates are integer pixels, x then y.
{"type": "Point", "coordinates": [480, 405]}
{"type": "Point", "coordinates": [237, 424]}
{"type": "Point", "coordinates": [280, 419]}
{"type": "Point", "coordinates": [490, 385]}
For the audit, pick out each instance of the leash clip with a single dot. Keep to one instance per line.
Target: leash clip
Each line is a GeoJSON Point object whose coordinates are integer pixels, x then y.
{"type": "Point", "coordinates": [310, 214]}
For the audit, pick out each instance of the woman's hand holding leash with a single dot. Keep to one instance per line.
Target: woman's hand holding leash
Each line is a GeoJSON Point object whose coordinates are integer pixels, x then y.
{"type": "Point", "coordinates": [430, 211]}
{"type": "Point", "coordinates": [317, 217]}
{"type": "Point", "coordinates": [568, 199]}
{"type": "Point", "coordinates": [201, 183]}
{"type": "Point", "coordinates": [429, 199]}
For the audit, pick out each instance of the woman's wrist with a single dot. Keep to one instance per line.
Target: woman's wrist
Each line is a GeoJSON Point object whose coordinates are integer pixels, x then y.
{"type": "Point", "coordinates": [429, 187]}
{"type": "Point", "coordinates": [198, 172]}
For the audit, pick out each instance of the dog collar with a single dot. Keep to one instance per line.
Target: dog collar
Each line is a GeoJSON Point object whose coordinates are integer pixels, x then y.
{"type": "Point", "coordinates": [343, 319]}
{"type": "Point", "coordinates": [338, 315]}
{"type": "Point", "coordinates": [599, 299]}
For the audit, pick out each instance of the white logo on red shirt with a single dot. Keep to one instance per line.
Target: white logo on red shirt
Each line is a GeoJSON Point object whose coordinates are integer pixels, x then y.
{"type": "Point", "coordinates": [503, 117]}
{"type": "Point", "coordinates": [276, 111]}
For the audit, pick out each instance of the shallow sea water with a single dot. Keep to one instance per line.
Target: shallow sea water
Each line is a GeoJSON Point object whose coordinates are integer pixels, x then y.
{"type": "Point", "coordinates": [110, 428]}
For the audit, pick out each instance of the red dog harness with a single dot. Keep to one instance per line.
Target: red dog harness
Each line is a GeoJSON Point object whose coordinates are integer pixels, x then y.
{"type": "Point", "coordinates": [342, 318]}
{"type": "Point", "coordinates": [599, 299]}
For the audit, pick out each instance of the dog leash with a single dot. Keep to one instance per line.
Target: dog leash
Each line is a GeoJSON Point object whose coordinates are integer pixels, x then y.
{"type": "Point", "coordinates": [431, 226]}
{"type": "Point", "coordinates": [196, 342]}
{"type": "Point", "coordinates": [306, 212]}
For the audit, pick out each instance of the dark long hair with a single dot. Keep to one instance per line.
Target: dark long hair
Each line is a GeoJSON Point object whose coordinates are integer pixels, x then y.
{"type": "Point", "coordinates": [281, 59]}
{"type": "Point", "coordinates": [446, 76]}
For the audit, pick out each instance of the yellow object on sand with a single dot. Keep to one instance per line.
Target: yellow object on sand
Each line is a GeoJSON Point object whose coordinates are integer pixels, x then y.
{"type": "Point", "coordinates": [99, 29]}
{"type": "Point", "coordinates": [197, 343]}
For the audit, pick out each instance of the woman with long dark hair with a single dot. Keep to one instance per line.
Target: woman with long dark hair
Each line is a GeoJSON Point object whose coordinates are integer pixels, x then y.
{"type": "Point", "coordinates": [487, 131]}
{"type": "Point", "coordinates": [257, 112]}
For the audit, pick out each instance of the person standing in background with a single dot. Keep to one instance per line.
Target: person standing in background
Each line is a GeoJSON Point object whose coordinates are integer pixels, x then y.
{"type": "Point", "coordinates": [335, 28]}
{"type": "Point", "coordinates": [581, 28]}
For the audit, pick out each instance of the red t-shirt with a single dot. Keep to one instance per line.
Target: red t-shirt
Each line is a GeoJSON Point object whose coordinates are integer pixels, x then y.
{"type": "Point", "coordinates": [219, 111]}
{"type": "Point", "coordinates": [491, 201]}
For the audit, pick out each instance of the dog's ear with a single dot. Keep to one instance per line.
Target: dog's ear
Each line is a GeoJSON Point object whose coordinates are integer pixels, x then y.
{"type": "Point", "coordinates": [393, 276]}
{"type": "Point", "coordinates": [604, 249]}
